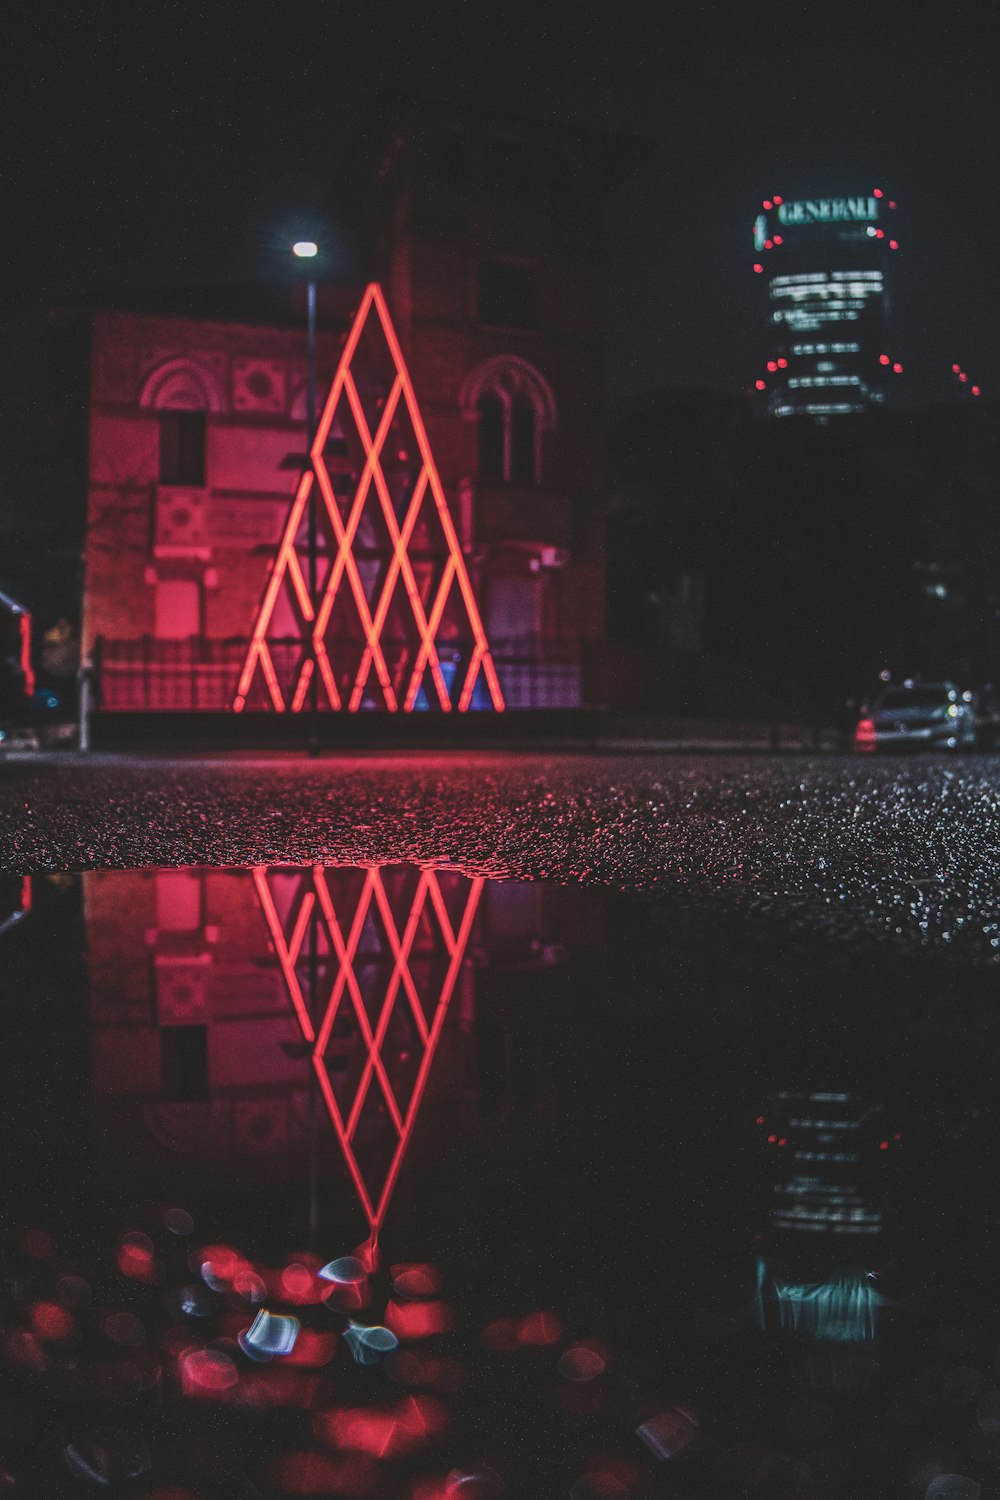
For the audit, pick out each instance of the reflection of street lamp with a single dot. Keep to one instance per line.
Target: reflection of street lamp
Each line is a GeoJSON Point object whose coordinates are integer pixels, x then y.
{"type": "Point", "coordinates": [306, 250]}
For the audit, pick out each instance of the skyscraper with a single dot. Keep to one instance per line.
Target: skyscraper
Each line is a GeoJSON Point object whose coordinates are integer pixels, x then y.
{"type": "Point", "coordinates": [826, 264]}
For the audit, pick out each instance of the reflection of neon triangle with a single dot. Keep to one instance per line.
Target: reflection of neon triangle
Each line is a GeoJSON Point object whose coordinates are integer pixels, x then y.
{"type": "Point", "coordinates": [371, 489]}
{"type": "Point", "coordinates": [345, 997]}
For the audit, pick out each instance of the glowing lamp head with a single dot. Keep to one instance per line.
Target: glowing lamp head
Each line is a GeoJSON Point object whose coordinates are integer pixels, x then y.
{"type": "Point", "coordinates": [963, 377]}
{"type": "Point", "coordinates": [893, 244]}
{"type": "Point", "coordinates": [761, 384]}
{"type": "Point", "coordinates": [778, 201]}
{"type": "Point", "coordinates": [782, 364]}
{"type": "Point", "coordinates": [956, 369]}
{"type": "Point", "coordinates": [758, 268]}
{"type": "Point", "coordinates": [768, 204]}
{"type": "Point", "coordinates": [772, 365]}
{"type": "Point", "coordinates": [883, 359]}
{"type": "Point", "coordinates": [877, 193]}
{"type": "Point", "coordinates": [976, 391]}
{"type": "Point", "coordinates": [305, 249]}
{"type": "Point", "coordinates": [897, 369]}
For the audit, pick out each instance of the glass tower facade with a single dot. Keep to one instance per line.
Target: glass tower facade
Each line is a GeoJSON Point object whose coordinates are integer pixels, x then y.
{"type": "Point", "coordinates": [825, 266]}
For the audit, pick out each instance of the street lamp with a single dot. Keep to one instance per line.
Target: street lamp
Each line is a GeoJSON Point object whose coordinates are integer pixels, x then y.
{"type": "Point", "coordinates": [307, 250]}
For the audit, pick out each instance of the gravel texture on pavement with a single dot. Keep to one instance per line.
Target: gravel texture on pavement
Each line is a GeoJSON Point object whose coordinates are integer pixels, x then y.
{"type": "Point", "coordinates": [907, 850]}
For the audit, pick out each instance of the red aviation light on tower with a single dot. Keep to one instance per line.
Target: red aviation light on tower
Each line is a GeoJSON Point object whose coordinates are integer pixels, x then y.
{"type": "Point", "coordinates": [387, 612]}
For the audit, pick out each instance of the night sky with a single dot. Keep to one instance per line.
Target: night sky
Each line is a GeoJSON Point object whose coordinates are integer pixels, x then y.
{"type": "Point", "coordinates": [164, 145]}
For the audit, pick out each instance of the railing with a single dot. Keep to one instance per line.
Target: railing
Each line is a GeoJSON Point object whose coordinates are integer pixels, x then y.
{"type": "Point", "coordinates": [200, 675]}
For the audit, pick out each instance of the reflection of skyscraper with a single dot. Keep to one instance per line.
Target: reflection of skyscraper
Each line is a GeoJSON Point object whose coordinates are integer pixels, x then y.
{"type": "Point", "coordinates": [824, 1161]}
{"type": "Point", "coordinates": [825, 1153]}
{"type": "Point", "coordinates": [825, 263]}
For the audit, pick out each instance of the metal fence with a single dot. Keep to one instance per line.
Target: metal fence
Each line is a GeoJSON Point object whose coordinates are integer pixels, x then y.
{"type": "Point", "coordinates": [198, 674]}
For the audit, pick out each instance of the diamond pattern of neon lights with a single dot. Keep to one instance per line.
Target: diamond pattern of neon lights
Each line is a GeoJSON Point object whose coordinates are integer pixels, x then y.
{"type": "Point", "coordinates": [383, 966]}
{"type": "Point", "coordinates": [394, 622]}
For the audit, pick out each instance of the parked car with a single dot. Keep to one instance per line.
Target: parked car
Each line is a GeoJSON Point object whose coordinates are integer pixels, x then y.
{"type": "Point", "coordinates": [935, 715]}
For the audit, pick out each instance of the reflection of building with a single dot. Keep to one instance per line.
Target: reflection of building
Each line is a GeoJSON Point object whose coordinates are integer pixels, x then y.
{"type": "Point", "coordinates": [488, 243]}
{"type": "Point", "coordinates": [245, 1021]}
{"type": "Point", "coordinates": [825, 265]}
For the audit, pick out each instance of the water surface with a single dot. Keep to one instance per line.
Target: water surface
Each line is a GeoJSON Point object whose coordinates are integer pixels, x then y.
{"type": "Point", "coordinates": [391, 1181]}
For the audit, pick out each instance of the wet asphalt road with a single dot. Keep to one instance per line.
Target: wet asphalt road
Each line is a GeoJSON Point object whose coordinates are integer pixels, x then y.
{"type": "Point", "coordinates": [901, 850]}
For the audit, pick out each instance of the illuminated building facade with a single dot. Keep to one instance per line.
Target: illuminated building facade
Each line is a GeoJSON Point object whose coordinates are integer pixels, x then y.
{"type": "Point", "coordinates": [486, 240]}
{"type": "Point", "coordinates": [825, 265]}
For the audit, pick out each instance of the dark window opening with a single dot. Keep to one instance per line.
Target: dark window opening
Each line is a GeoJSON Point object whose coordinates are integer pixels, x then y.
{"type": "Point", "coordinates": [490, 438]}
{"type": "Point", "coordinates": [184, 1062]}
{"type": "Point", "coordinates": [182, 447]}
{"type": "Point", "coordinates": [507, 295]}
{"type": "Point", "coordinates": [522, 442]}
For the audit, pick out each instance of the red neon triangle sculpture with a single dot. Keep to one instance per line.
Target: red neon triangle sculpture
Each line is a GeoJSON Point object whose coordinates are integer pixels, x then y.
{"type": "Point", "coordinates": [387, 932]}
{"type": "Point", "coordinates": [394, 621]}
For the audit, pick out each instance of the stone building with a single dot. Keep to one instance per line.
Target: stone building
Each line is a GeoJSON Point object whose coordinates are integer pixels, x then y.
{"type": "Point", "coordinates": [487, 239]}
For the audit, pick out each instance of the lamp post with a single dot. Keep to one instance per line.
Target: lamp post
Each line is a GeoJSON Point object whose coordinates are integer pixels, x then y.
{"type": "Point", "coordinates": [307, 250]}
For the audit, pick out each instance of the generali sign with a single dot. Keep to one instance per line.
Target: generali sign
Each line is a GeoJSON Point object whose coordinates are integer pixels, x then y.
{"type": "Point", "coordinates": [828, 211]}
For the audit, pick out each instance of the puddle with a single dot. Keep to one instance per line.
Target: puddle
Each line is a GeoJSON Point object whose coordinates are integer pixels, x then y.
{"type": "Point", "coordinates": [390, 1181]}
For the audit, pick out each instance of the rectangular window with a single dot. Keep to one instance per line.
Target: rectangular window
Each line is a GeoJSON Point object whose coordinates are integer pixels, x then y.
{"type": "Point", "coordinates": [184, 1062]}
{"type": "Point", "coordinates": [182, 447]}
{"type": "Point", "coordinates": [507, 295]}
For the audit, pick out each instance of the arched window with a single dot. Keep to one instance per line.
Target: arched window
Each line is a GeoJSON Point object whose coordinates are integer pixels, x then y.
{"type": "Point", "coordinates": [181, 392]}
{"type": "Point", "coordinates": [512, 406]}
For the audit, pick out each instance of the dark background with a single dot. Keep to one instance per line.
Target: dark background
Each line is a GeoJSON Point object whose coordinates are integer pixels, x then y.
{"type": "Point", "coordinates": [165, 145]}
